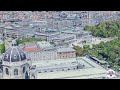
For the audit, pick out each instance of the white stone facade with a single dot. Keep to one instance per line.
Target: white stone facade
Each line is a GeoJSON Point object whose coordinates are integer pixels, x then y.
{"type": "Point", "coordinates": [42, 55]}
{"type": "Point", "coordinates": [9, 69]}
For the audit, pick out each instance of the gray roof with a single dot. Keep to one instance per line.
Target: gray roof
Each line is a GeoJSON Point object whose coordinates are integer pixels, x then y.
{"type": "Point", "coordinates": [11, 20]}
{"type": "Point", "coordinates": [44, 44]}
{"type": "Point", "coordinates": [64, 36]}
{"type": "Point", "coordinates": [72, 32]}
{"type": "Point", "coordinates": [65, 49]}
{"type": "Point", "coordinates": [14, 54]}
{"type": "Point", "coordinates": [33, 44]}
{"type": "Point", "coordinates": [61, 66]}
{"type": "Point", "coordinates": [41, 34]}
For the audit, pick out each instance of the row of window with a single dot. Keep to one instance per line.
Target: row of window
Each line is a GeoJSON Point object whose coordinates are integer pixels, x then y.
{"type": "Point", "coordinates": [15, 71]}
{"type": "Point", "coordinates": [66, 52]}
{"type": "Point", "coordinates": [67, 56]}
{"type": "Point", "coordinates": [15, 56]}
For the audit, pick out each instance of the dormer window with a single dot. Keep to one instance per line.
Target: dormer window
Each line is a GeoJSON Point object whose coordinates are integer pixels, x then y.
{"type": "Point", "coordinates": [15, 57]}
{"type": "Point", "coordinates": [22, 54]}
{"type": "Point", "coordinates": [6, 56]}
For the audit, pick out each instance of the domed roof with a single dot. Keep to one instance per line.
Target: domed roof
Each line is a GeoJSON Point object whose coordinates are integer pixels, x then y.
{"type": "Point", "coordinates": [14, 54]}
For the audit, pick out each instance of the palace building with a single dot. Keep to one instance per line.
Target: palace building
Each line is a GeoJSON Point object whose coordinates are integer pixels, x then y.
{"type": "Point", "coordinates": [15, 64]}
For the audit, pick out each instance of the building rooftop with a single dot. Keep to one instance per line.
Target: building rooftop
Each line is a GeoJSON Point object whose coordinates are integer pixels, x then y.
{"type": "Point", "coordinates": [44, 44]}
{"type": "Point", "coordinates": [79, 74]}
{"type": "Point", "coordinates": [8, 27]}
{"type": "Point", "coordinates": [101, 61]}
{"type": "Point", "coordinates": [53, 62]}
{"type": "Point", "coordinates": [14, 54]}
{"type": "Point", "coordinates": [72, 32]}
{"type": "Point", "coordinates": [11, 20]}
{"type": "Point", "coordinates": [91, 70]}
{"type": "Point", "coordinates": [64, 36]}
{"type": "Point", "coordinates": [65, 49]}
{"type": "Point", "coordinates": [31, 49]}
{"type": "Point", "coordinates": [2, 25]}
{"type": "Point", "coordinates": [41, 34]}
{"type": "Point", "coordinates": [88, 63]}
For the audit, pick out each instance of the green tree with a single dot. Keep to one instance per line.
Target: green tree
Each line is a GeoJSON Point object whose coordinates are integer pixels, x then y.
{"type": "Point", "coordinates": [86, 48]}
{"type": "Point", "coordinates": [33, 39]}
{"type": "Point", "coordinates": [105, 29]}
{"type": "Point", "coordinates": [79, 51]}
{"type": "Point", "coordinates": [2, 48]}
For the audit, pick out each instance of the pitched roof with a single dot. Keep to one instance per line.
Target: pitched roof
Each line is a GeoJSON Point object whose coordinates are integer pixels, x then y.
{"type": "Point", "coordinates": [31, 49]}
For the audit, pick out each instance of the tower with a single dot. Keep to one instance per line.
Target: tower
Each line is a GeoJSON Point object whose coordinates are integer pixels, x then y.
{"type": "Point", "coordinates": [14, 63]}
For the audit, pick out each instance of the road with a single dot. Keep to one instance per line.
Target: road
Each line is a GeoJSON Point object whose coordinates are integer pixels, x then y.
{"type": "Point", "coordinates": [95, 40]}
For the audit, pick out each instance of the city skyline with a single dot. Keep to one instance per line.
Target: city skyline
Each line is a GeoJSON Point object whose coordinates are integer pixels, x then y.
{"type": "Point", "coordinates": [59, 44]}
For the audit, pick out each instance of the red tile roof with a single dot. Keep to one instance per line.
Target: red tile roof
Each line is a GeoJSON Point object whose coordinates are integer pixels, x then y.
{"type": "Point", "coordinates": [31, 49]}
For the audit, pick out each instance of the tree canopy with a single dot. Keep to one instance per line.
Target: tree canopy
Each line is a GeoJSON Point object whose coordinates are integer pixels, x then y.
{"type": "Point", "coordinates": [105, 29]}
{"type": "Point", "coordinates": [109, 51]}
{"type": "Point", "coordinates": [2, 48]}
{"type": "Point", "coordinates": [24, 40]}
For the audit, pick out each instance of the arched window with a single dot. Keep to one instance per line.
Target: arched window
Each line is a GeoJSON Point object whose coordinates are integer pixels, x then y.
{"type": "Point", "coordinates": [23, 69]}
{"type": "Point", "coordinates": [27, 76]}
{"type": "Point", "coordinates": [15, 71]}
{"type": "Point", "coordinates": [7, 71]}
